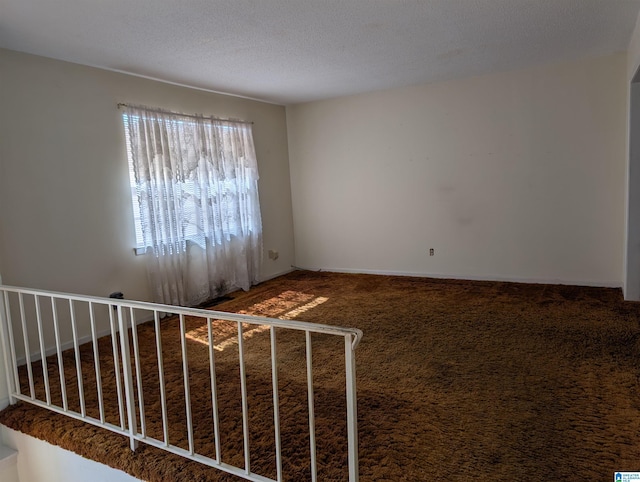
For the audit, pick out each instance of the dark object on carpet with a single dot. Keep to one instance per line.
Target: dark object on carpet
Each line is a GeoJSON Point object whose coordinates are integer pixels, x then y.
{"type": "Point", "coordinates": [214, 302]}
{"type": "Point", "coordinates": [457, 380]}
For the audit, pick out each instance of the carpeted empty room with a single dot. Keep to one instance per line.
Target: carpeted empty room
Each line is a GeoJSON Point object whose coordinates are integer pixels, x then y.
{"type": "Point", "coordinates": [319, 241]}
{"type": "Point", "coordinates": [457, 380]}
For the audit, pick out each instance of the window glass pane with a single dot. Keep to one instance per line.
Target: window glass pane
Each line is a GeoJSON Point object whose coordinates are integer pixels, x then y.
{"type": "Point", "coordinates": [188, 181]}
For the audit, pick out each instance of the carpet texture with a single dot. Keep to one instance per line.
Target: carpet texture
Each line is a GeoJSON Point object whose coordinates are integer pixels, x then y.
{"type": "Point", "coordinates": [457, 380]}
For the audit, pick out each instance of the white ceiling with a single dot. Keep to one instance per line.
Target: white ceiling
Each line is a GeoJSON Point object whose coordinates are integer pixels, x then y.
{"type": "Point", "coordinates": [291, 51]}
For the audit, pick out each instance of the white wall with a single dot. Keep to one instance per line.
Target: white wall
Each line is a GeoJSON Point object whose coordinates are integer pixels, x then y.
{"type": "Point", "coordinates": [39, 461]}
{"type": "Point", "coordinates": [516, 176]}
{"type": "Point", "coordinates": [66, 221]}
{"type": "Point", "coordinates": [8, 464]}
{"type": "Point", "coordinates": [4, 391]}
{"type": "Point", "coordinates": [633, 51]}
{"type": "Point", "coordinates": [632, 227]}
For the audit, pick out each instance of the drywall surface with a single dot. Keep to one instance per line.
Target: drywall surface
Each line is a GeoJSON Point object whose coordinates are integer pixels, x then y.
{"type": "Point", "coordinates": [8, 464]}
{"type": "Point", "coordinates": [517, 176]}
{"type": "Point", "coordinates": [4, 390]}
{"type": "Point", "coordinates": [633, 51]}
{"type": "Point", "coordinates": [632, 254]}
{"type": "Point", "coordinates": [67, 221]}
{"type": "Point", "coordinates": [631, 264]}
{"type": "Point", "coordinates": [40, 461]}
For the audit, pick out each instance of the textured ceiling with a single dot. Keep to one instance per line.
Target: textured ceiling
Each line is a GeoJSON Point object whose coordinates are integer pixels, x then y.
{"type": "Point", "coordinates": [291, 51]}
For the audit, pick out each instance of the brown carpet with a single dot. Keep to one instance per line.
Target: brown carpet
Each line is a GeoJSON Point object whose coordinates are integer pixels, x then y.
{"type": "Point", "coordinates": [457, 380]}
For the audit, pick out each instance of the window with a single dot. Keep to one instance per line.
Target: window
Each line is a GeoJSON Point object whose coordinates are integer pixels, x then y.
{"type": "Point", "coordinates": [190, 180]}
{"type": "Point", "coordinates": [194, 192]}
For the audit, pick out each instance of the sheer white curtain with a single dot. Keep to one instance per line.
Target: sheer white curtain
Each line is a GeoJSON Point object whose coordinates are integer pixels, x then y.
{"type": "Point", "coordinates": [195, 197]}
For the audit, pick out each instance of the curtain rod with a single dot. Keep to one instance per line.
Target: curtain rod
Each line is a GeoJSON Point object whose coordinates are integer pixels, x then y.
{"type": "Point", "coordinates": [193, 116]}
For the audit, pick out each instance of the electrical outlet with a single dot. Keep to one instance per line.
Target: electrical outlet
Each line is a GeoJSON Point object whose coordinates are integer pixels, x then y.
{"type": "Point", "coordinates": [432, 251]}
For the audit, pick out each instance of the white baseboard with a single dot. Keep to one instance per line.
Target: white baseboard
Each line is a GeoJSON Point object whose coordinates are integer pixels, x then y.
{"type": "Point", "coordinates": [4, 403]}
{"type": "Point", "coordinates": [508, 279]}
{"type": "Point", "coordinates": [52, 350]}
{"type": "Point", "coordinates": [277, 275]}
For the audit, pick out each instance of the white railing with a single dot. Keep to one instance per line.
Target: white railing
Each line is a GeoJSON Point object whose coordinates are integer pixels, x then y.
{"type": "Point", "coordinates": [54, 346]}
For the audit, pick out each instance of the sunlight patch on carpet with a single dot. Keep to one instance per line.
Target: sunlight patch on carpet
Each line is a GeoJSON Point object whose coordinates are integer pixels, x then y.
{"type": "Point", "coordinates": [286, 306]}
